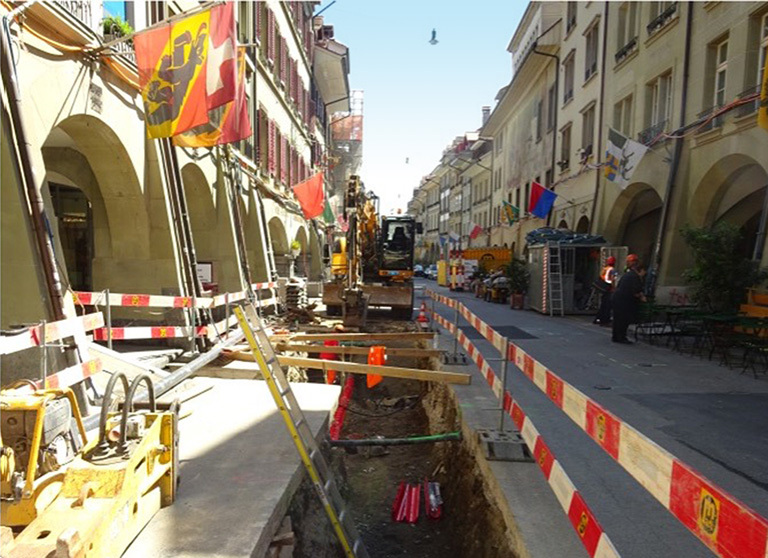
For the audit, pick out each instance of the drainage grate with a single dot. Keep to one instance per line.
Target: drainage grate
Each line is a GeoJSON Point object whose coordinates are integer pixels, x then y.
{"type": "Point", "coordinates": [504, 445]}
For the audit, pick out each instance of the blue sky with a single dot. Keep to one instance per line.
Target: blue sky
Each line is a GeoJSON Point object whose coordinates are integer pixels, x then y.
{"type": "Point", "coordinates": [418, 97]}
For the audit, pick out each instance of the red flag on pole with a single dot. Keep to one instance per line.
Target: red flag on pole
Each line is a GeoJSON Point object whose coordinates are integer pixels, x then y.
{"type": "Point", "coordinates": [311, 196]}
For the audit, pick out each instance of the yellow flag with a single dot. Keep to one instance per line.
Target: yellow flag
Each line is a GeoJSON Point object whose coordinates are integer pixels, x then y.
{"type": "Point", "coordinates": [762, 113]}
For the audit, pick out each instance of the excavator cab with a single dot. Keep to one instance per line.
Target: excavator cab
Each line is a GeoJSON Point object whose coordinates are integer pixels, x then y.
{"type": "Point", "coordinates": [396, 250]}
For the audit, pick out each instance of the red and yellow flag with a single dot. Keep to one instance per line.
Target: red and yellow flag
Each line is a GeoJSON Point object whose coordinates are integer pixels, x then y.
{"type": "Point", "coordinates": [227, 123]}
{"type": "Point", "coordinates": [172, 63]}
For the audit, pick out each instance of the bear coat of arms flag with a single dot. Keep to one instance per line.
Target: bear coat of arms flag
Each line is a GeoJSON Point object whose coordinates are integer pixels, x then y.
{"type": "Point", "coordinates": [173, 66]}
{"type": "Point", "coordinates": [226, 124]}
{"type": "Point", "coordinates": [311, 196]}
{"type": "Point", "coordinates": [762, 112]}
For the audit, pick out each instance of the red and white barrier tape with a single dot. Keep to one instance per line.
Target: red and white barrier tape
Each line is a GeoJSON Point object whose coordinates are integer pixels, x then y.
{"type": "Point", "coordinates": [595, 540]}
{"type": "Point", "coordinates": [147, 332]}
{"type": "Point", "coordinates": [727, 526]}
{"type": "Point", "coordinates": [72, 375]}
{"type": "Point", "coordinates": [162, 301]}
{"type": "Point", "coordinates": [54, 331]}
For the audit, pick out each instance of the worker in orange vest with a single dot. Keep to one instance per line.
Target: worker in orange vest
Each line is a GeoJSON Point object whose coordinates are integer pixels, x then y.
{"type": "Point", "coordinates": [606, 284]}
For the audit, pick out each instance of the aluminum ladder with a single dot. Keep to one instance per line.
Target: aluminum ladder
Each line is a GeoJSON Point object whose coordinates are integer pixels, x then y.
{"type": "Point", "coordinates": [319, 473]}
{"type": "Point", "coordinates": [555, 280]}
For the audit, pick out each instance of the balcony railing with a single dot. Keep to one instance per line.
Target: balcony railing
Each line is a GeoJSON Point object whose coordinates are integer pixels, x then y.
{"type": "Point", "coordinates": [81, 10]}
{"type": "Point", "coordinates": [661, 20]}
{"type": "Point", "coordinates": [713, 123]}
{"type": "Point", "coordinates": [752, 106]}
{"type": "Point", "coordinates": [590, 71]}
{"type": "Point", "coordinates": [626, 50]}
{"type": "Point", "coordinates": [646, 136]}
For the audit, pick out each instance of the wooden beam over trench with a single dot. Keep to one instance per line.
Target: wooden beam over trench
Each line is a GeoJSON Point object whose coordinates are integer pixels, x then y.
{"type": "Point", "coordinates": [404, 336]}
{"type": "Point", "coordinates": [391, 351]}
{"type": "Point", "coordinates": [389, 371]}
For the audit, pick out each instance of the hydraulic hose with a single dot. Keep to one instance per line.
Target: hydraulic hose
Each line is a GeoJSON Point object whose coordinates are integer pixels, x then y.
{"type": "Point", "coordinates": [128, 404]}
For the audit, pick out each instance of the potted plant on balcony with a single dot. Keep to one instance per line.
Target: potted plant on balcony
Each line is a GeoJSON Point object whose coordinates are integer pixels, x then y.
{"type": "Point", "coordinates": [519, 280]}
{"type": "Point", "coordinates": [115, 27]}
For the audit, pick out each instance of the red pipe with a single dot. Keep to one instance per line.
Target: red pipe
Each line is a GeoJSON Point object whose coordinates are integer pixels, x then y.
{"type": "Point", "coordinates": [341, 409]}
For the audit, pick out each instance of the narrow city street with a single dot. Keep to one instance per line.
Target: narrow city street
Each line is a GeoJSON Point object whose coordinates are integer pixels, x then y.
{"type": "Point", "coordinates": [709, 416]}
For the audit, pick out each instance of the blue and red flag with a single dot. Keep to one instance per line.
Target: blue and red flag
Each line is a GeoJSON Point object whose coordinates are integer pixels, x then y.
{"type": "Point", "coordinates": [542, 200]}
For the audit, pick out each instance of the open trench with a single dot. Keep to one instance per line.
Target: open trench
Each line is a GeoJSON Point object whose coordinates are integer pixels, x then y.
{"type": "Point", "coordinates": [472, 522]}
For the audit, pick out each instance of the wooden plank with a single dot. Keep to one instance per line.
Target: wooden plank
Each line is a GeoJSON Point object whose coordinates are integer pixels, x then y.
{"type": "Point", "coordinates": [391, 351]}
{"type": "Point", "coordinates": [404, 336]}
{"type": "Point", "coordinates": [389, 371]}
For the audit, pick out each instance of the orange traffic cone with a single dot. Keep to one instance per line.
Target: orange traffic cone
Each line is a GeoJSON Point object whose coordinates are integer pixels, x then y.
{"type": "Point", "coordinates": [376, 357]}
{"type": "Point", "coordinates": [422, 319]}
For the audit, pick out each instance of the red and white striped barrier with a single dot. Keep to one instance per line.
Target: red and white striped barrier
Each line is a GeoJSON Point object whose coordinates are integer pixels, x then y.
{"type": "Point", "coordinates": [161, 301]}
{"type": "Point", "coordinates": [54, 331]}
{"type": "Point", "coordinates": [149, 332]}
{"type": "Point", "coordinates": [72, 375]}
{"type": "Point", "coordinates": [595, 540]}
{"type": "Point", "coordinates": [727, 526]}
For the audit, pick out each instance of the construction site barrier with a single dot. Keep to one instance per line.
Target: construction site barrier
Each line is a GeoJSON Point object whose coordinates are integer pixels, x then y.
{"type": "Point", "coordinates": [728, 527]}
{"type": "Point", "coordinates": [592, 536]}
{"type": "Point", "coordinates": [38, 335]}
{"type": "Point", "coordinates": [109, 300]}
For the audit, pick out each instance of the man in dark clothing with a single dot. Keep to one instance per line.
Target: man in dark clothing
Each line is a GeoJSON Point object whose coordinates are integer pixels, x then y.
{"type": "Point", "coordinates": [626, 299]}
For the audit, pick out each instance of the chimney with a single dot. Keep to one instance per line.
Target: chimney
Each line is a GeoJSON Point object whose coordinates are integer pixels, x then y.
{"type": "Point", "coordinates": [486, 114]}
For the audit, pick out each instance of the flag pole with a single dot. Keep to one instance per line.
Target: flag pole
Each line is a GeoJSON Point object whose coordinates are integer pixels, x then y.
{"type": "Point", "coordinates": [166, 21]}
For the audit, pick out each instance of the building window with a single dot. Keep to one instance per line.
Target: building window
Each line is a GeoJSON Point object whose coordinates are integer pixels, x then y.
{"type": "Point", "coordinates": [622, 116]}
{"type": "Point", "coordinates": [565, 148]}
{"type": "Point", "coordinates": [587, 130]}
{"type": "Point", "coordinates": [590, 61]}
{"type": "Point", "coordinates": [626, 38]}
{"type": "Point", "coordinates": [721, 69]}
{"type": "Point", "coordinates": [570, 17]}
{"type": "Point", "coordinates": [539, 117]}
{"type": "Point", "coordinates": [763, 49]}
{"type": "Point", "coordinates": [551, 108]}
{"type": "Point", "coordinates": [244, 22]}
{"type": "Point", "coordinates": [569, 64]}
{"type": "Point", "coordinates": [499, 140]}
{"type": "Point", "coordinates": [661, 14]}
{"type": "Point", "coordinates": [659, 100]}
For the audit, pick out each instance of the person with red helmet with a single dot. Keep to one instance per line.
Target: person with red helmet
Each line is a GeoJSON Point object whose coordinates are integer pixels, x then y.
{"type": "Point", "coordinates": [606, 284]}
{"type": "Point", "coordinates": [626, 299]}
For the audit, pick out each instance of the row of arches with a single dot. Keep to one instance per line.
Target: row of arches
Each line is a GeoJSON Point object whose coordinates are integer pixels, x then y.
{"type": "Point", "coordinates": [113, 221]}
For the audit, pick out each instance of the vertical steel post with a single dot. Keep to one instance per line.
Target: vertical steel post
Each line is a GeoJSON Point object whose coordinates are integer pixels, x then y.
{"type": "Point", "coordinates": [456, 333]}
{"type": "Point", "coordinates": [432, 323]}
{"type": "Point", "coordinates": [44, 354]}
{"type": "Point", "coordinates": [504, 364]}
{"type": "Point", "coordinates": [109, 321]}
{"type": "Point", "coordinates": [193, 321]}
{"type": "Point", "coordinates": [226, 315]}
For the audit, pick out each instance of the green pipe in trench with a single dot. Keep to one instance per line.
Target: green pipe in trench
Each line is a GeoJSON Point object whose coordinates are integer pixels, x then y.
{"type": "Point", "coordinates": [447, 437]}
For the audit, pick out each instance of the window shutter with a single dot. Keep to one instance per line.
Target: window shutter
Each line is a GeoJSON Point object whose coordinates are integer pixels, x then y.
{"type": "Point", "coordinates": [271, 160]}
{"type": "Point", "coordinates": [257, 22]}
{"type": "Point", "coordinates": [270, 35]}
{"type": "Point", "coordinates": [283, 61]}
{"type": "Point", "coordinates": [283, 159]}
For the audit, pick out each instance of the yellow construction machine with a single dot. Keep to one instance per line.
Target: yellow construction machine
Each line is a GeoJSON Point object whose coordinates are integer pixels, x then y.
{"type": "Point", "coordinates": [65, 497]}
{"type": "Point", "coordinates": [372, 263]}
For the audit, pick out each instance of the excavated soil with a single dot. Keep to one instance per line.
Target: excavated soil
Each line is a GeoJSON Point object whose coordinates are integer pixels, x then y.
{"type": "Point", "coordinates": [474, 522]}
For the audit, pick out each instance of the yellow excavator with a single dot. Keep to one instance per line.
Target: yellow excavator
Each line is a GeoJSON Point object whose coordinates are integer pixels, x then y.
{"type": "Point", "coordinates": [372, 263]}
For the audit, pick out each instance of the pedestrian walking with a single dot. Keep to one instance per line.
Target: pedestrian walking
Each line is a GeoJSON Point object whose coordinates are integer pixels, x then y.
{"type": "Point", "coordinates": [627, 298]}
{"type": "Point", "coordinates": [606, 284]}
